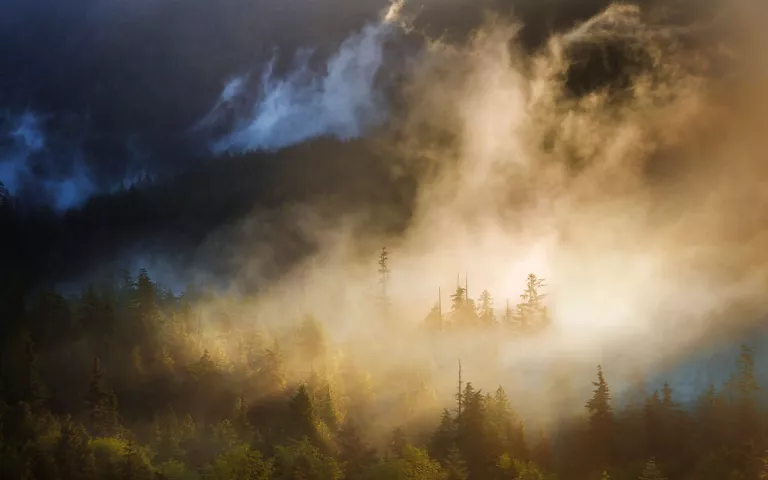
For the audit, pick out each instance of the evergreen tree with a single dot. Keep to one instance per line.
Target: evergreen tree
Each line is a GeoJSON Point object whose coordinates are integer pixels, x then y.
{"type": "Point", "coordinates": [101, 404]}
{"type": "Point", "coordinates": [485, 310]}
{"type": "Point", "coordinates": [74, 456]}
{"type": "Point", "coordinates": [240, 421]}
{"type": "Point", "coordinates": [434, 320]}
{"type": "Point", "coordinates": [134, 465]}
{"type": "Point", "coordinates": [302, 460]}
{"type": "Point", "coordinates": [272, 371]}
{"type": "Point", "coordinates": [531, 312]}
{"type": "Point", "coordinates": [651, 471]}
{"type": "Point", "coordinates": [356, 455]}
{"type": "Point", "coordinates": [601, 425]}
{"type": "Point", "coordinates": [311, 340]}
{"type": "Point", "coordinates": [397, 443]}
{"type": "Point", "coordinates": [444, 438]}
{"type": "Point", "coordinates": [326, 409]}
{"type": "Point", "coordinates": [384, 278]}
{"type": "Point", "coordinates": [32, 389]}
{"type": "Point", "coordinates": [506, 426]}
{"type": "Point", "coordinates": [454, 465]}
{"type": "Point", "coordinates": [303, 414]}
{"type": "Point", "coordinates": [240, 463]}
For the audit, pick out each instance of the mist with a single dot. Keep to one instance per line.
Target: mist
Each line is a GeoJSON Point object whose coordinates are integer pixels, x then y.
{"type": "Point", "coordinates": [615, 182]}
{"type": "Point", "coordinates": [614, 173]}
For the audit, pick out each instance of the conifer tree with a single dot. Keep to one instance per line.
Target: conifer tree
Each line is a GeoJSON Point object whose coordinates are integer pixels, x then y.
{"type": "Point", "coordinates": [303, 414]}
{"type": "Point", "coordinates": [444, 438]}
{"type": "Point", "coordinates": [32, 389]}
{"type": "Point", "coordinates": [74, 456]}
{"type": "Point", "coordinates": [485, 310]}
{"type": "Point", "coordinates": [326, 409]}
{"type": "Point", "coordinates": [240, 421]}
{"type": "Point", "coordinates": [311, 340]}
{"type": "Point", "coordinates": [652, 471]}
{"type": "Point", "coordinates": [272, 371]}
{"type": "Point", "coordinates": [397, 443]}
{"type": "Point", "coordinates": [134, 466]}
{"type": "Point", "coordinates": [354, 452]}
{"type": "Point", "coordinates": [601, 425]}
{"type": "Point", "coordinates": [531, 313]}
{"type": "Point", "coordinates": [743, 388]}
{"type": "Point", "coordinates": [454, 465]}
{"type": "Point", "coordinates": [102, 404]}
{"type": "Point", "coordinates": [384, 273]}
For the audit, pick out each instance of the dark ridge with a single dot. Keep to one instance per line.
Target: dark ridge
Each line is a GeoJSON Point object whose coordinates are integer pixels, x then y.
{"type": "Point", "coordinates": [178, 214]}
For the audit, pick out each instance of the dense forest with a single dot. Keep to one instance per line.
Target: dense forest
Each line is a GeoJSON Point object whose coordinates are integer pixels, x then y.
{"type": "Point", "coordinates": [128, 380]}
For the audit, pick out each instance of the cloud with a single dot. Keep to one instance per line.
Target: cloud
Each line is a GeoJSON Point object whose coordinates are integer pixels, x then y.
{"type": "Point", "coordinates": [343, 101]}
{"type": "Point", "coordinates": [41, 169]}
{"type": "Point", "coordinates": [614, 162]}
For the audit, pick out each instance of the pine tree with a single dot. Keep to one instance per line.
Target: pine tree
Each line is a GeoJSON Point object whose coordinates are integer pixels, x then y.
{"type": "Point", "coordinates": [454, 465]}
{"type": "Point", "coordinates": [32, 389]}
{"type": "Point", "coordinates": [326, 410]}
{"type": "Point", "coordinates": [444, 438]}
{"type": "Point", "coordinates": [506, 426]}
{"type": "Point", "coordinates": [303, 414]}
{"type": "Point", "coordinates": [458, 299]}
{"type": "Point", "coordinates": [601, 426]}
{"type": "Point", "coordinates": [384, 273]}
{"type": "Point", "coordinates": [272, 371]}
{"type": "Point", "coordinates": [354, 452]}
{"type": "Point", "coordinates": [434, 320]}
{"type": "Point", "coordinates": [398, 443]}
{"type": "Point", "coordinates": [311, 340]}
{"type": "Point", "coordinates": [134, 466]}
{"type": "Point", "coordinates": [101, 404]}
{"type": "Point", "coordinates": [530, 312]}
{"type": "Point", "coordinates": [651, 471]}
{"type": "Point", "coordinates": [74, 457]}
{"type": "Point", "coordinates": [485, 310]}
{"type": "Point", "coordinates": [241, 423]}
{"type": "Point", "coordinates": [744, 390]}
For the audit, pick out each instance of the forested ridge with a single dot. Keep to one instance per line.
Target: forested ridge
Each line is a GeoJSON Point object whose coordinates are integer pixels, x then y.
{"type": "Point", "coordinates": [174, 215]}
{"type": "Point", "coordinates": [128, 381]}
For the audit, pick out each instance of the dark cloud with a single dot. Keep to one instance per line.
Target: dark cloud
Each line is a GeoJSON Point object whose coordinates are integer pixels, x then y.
{"type": "Point", "coordinates": [138, 74]}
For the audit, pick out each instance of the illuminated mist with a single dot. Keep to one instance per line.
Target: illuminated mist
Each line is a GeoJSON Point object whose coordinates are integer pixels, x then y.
{"type": "Point", "coordinates": [638, 196]}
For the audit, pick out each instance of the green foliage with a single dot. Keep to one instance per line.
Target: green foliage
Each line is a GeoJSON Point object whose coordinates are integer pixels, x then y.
{"type": "Point", "coordinates": [239, 463]}
{"type": "Point", "coordinates": [74, 456]}
{"type": "Point", "coordinates": [651, 471]}
{"type": "Point", "coordinates": [182, 415]}
{"type": "Point", "coordinates": [454, 465]}
{"type": "Point", "coordinates": [302, 460]}
{"type": "Point", "coordinates": [413, 464]}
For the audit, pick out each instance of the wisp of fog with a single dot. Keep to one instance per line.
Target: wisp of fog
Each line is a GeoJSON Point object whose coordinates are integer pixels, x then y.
{"type": "Point", "coordinates": [621, 162]}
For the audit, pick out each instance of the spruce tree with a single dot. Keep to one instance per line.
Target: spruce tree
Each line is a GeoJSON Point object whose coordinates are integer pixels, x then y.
{"type": "Point", "coordinates": [354, 452]}
{"type": "Point", "coordinates": [444, 438]}
{"type": "Point", "coordinates": [303, 414]}
{"type": "Point", "coordinates": [32, 389]}
{"type": "Point", "coordinates": [397, 443]}
{"type": "Point", "coordinates": [384, 273]}
{"type": "Point", "coordinates": [101, 404]}
{"type": "Point", "coordinates": [240, 421]}
{"type": "Point", "coordinates": [326, 409]}
{"type": "Point", "coordinates": [74, 456]}
{"type": "Point", "coordinates": [651, 471]}
{"type": "Point", "coordinates": [454, 466]}
{"type": "Point", "coordinates": [485, 310]}
{"type": "Point", "coordinates": [601, 425]}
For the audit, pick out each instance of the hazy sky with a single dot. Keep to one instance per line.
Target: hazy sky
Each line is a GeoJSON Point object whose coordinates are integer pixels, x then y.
{"type": "Point", "coordinates": [126, 80]}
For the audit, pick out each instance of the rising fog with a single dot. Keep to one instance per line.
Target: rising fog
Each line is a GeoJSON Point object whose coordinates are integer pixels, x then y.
{"type": "Point", "coordinates": [621, 161]}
